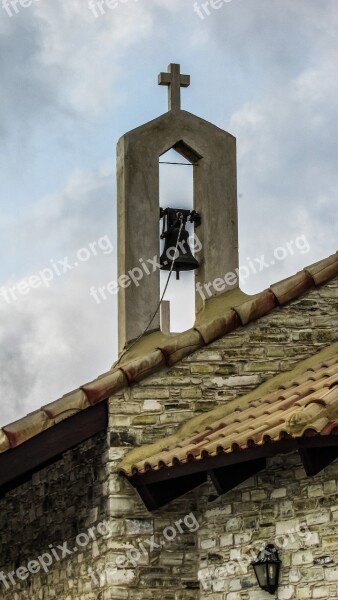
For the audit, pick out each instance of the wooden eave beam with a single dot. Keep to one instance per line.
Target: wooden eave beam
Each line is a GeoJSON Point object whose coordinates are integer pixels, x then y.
{"type": "Point", "coordinates": [159, 487]}
{"type": "Point", "coordinates": [156, 495]}
{"type": "Point", "coordinates": [18, 464]}
{"type": "Point", "coordinates": [226, 478]}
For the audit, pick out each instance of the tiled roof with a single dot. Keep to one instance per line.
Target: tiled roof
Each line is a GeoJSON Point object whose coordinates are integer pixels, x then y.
{"type": "Point", "coordinates": [304, 406]}
{"type": "Point", "coordinates": [220, 316]}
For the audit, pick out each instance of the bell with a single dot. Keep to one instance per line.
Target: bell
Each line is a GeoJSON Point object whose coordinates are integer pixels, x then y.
{"type": "Point", "coordinates": [183, 258]}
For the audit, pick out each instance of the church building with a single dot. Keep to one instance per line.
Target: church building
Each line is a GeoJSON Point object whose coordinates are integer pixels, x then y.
{"type": "Point", "coordinates": [203, 465]}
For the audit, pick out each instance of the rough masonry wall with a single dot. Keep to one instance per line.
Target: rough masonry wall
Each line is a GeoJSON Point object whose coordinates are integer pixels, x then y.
{"type": "Point", "coordinates": [61, 502]}
{"type": "Point", "coordinates": [280, 505]}
{"type": "Point", "coordinates": [148, 555]}
{"type": "Point", "coordinates": [228, 368]}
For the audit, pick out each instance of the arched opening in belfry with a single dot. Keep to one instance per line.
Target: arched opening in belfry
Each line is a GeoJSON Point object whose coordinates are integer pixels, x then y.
{"type": "Point", "coordinates": [176, 190]}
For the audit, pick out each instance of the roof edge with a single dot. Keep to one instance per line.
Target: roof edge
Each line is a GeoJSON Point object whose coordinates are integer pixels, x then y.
{"type": "Point", "coordinates": [201, 422]}
{"type": "Point", "coordinates": [157, 351]}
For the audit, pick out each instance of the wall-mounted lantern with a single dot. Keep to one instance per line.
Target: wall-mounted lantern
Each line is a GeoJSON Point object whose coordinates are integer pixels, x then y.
{"type": "Point", "coordinates": [267, 568]}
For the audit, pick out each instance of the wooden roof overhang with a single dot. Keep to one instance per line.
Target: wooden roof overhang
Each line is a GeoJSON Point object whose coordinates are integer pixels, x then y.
{"type": "Point", "coordinates": [158, 487]}
{"type": "Point", "coordinates": [17, 465]}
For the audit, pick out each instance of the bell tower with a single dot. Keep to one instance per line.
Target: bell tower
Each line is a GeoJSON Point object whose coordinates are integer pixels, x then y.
{"type": "Point", "coordinates": [212, 152]}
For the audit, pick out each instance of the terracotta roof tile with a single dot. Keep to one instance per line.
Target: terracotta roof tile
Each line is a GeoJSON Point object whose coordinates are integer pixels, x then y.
{"type": "Point", "coordinates": [144, 366]}
{"type": "Point", "coordinates": [4, 442]}
{"type": "Point", "coordinates": [256, 307]}
{"type": "Point", "coordinates": [215, 328]}
{"type": "Point", "coordinates": [26, 428]}
{"type": "Point", "coordinates": [105, 386]}
{"type": "Point", "coordinates": [324, 270]}
{"type": "Point", "coordinates": [309, 403]}
{"type": "Point", "coordinates": [220, 316]}
{"type": "Point", "coordinates": [292, 287]}
{"type": "Point", "coordinates": [180, 346]}
{"type": "Point", "coordinates": [70, 403]}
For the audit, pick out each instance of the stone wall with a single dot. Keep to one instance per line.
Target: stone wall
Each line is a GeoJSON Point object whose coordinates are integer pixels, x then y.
{"type": "Point", "coordinates": [60, 503]}
{"type": "Point", "coordinates": [152, 554]}
{"type": "Point", "coordinates": [228, 368]}
{"type": "Point", "coordinates": [280, 505]}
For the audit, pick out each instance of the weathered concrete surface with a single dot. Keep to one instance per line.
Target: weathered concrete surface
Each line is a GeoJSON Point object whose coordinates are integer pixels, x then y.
{"type": "Point", "coordinates": [213, 153]}
{"type": "Point", "coordinates": [175, 81]}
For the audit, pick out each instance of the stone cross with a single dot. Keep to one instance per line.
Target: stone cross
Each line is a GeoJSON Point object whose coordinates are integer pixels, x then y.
{"type": "Point", "coordinates": [174, 80]}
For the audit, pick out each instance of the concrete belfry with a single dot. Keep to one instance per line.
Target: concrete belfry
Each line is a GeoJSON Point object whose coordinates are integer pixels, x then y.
{"type": "Point", "coordinates": [212, 152]}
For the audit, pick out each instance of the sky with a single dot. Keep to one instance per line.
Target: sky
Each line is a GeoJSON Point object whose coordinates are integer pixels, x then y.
{"type": "Point", "coordinates": [74, 78]}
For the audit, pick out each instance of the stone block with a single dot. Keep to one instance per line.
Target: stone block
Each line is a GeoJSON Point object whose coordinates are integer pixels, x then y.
{"type": "Point", "coordinates": [153, 393]}
{"type": "Point", "coordinates": [320, 592]}
{"type": "Point", "coordinates": [191, 392]}
{"type": "Point", "coordinates": [302, 557]}
{"type": "Point", "coordinates": [233, 596]}
{"type": "Point", "coordinates": [221, 585]}
{"type": "Point", "coordinates": [122, 420]}
{"type": "Point", "coordinates": [303, 593]}
{"type": "Point", "coordinates": [262, 367]}
{"type": "Point", "coordinates": [202, 368]}
{"type": "Point", "coordinates": [285, 592]}
{"type": "Point", "coordinates": [145, 420]}
{"type": "Point", "coordinates": [278, 493]}
{"type": "Point", "coordinates": [319, 518]}
{"type": "Point", "coordinates": [207, 543]}
{"type": "Point", "coordinates": [312, 574]}
{"type": "Point", "coordinates": [235, 585]}
{"type": "Point", "coordinates": [312, 539]}
{"type": "Point", "coordinates": [243, 538]}
{"type": "Point", "coordinates": [234, 524]}
{"type": "Point", "coordinates": [330, 487]}
{"type": "Point", "coordinates": [315, 491]}
{"type": "Point", "coordinates": [331, 574]}
{"type": "Point", "coordinates": [152, 406]}
{"type": "Point", "coordinates": [175, 417]}
{"type": "Point", "coordinates": [285, 527]}
{"type": "Point", "coordinates": [139, 526]}
{"type": "Point", "coordinates": [254, 595]}
{"type": "Point", "coordinates": [172, 559]}
{"type": "Point", "coordinates": [258, 495]}
{"type": "Point", "coordinates": [226, 540]}
{"type": "Point", "coordinates": [121, 505]}
{"type": "Point", "coordinates": [294, 575]}
{"type": "Point", "coordinates": [329, 542]}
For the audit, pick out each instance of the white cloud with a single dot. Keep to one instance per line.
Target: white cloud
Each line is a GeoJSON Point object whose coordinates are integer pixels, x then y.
{"type": "Point", "coordinates": [287, 134]}
{"type": "Point", "coordinates": [59, 62]}
{"type": "Point", "coordinates": [55, 339]}
{"type": "Point", "coordinates": [272, 62]}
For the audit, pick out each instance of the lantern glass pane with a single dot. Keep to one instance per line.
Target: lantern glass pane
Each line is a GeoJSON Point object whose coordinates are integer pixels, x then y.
{"type": "Point", "coordinates": [261, 574]}
{"type": "Point", "coordinates": [272, 571]}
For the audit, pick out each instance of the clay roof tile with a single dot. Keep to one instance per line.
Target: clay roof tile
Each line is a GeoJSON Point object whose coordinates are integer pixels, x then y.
{"type": "Point", "coordinates": [153, 352]}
